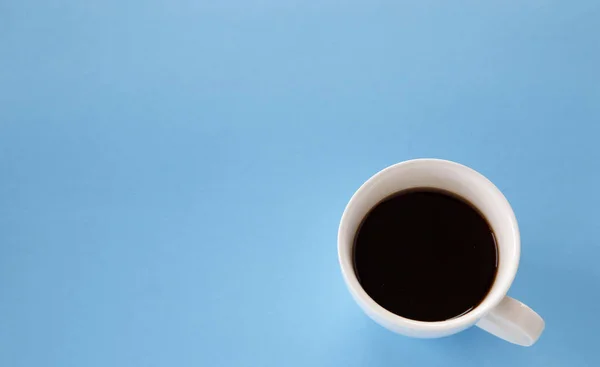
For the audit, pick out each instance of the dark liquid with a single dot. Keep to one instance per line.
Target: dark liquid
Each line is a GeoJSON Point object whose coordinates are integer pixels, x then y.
{"type": "Point", "coordinates": [425, 255]}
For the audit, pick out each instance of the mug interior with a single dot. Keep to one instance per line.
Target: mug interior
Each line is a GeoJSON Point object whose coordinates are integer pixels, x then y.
{"type": "Point", "coordinates": [444, 175]}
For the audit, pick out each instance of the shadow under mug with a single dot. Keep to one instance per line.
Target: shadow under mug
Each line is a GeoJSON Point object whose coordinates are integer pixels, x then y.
{"type": "Point", "coordinates": [498, 313]}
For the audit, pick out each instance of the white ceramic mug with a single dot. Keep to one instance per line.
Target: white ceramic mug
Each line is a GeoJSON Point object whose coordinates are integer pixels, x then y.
{"type": "Point", "coordinates": [498, 313]}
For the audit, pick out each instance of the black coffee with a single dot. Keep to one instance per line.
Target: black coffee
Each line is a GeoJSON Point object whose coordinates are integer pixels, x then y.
{"type": "Point", "coordinates": [425, 255]}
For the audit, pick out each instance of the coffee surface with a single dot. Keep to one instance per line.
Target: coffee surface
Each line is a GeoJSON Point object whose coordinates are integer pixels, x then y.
{"type": "Point", "coordinates": [425, 255]}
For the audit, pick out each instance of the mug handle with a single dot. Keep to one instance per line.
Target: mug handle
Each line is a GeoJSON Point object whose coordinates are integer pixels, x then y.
{"type": "Point", "coordinates": [514, 322]}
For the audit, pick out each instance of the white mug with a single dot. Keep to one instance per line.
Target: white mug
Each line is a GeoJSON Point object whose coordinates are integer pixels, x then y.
{"type": "Point", "coordinates": [498, 313]}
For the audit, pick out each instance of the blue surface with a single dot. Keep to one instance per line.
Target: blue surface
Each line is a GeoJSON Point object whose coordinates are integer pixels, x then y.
{"type": "Point", "coordinates": [172, 173]}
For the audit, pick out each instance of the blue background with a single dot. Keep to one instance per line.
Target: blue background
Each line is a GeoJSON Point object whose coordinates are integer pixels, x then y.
{"type": "Point", "coordinates": [172, 172]}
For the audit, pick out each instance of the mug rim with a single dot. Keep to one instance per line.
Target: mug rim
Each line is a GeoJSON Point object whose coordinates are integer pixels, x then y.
{"type": "Point", "coordinates": [379, 313]}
